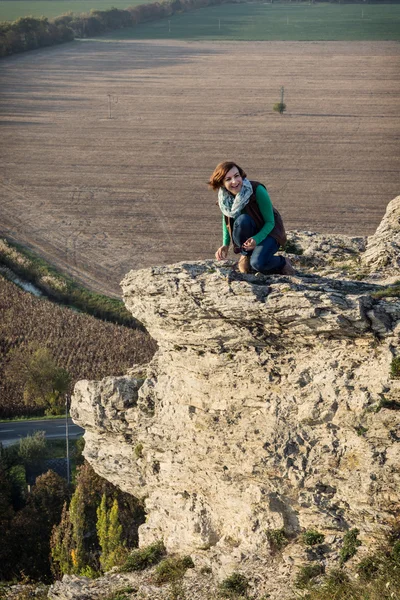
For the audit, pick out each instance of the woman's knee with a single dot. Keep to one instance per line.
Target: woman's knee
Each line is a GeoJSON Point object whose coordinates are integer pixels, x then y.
{"type": "Point", "coordinates": [243, 221]}
{"type": "Point", "coordinates": [267, 263]}
{"type": "Point", "coordinates": [256, 263]}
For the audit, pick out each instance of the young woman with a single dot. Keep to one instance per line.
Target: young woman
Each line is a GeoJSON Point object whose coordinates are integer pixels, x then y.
{"type": "Point", "coordinates": [250, 221]}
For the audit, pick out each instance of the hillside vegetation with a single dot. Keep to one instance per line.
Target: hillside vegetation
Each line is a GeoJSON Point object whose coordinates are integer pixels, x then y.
{"type": "Point", "coordinates": [83, 345]}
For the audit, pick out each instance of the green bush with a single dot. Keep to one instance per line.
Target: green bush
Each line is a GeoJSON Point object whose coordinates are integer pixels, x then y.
{"type": "Point", "coordinates": [32, 447]}
{"type": "Point", "coordinates": [395, 368]}
{"type": "Point", "coordinates": [307, 573]}
{"type": "Point", "coordinates": [277, 539]}
{"type": "Point", "coordinates": [311, 537]}
{"type": "Point", "coordinates": [279, 107]}
{"type": "Point", "coordinates": [292, 248]}
{"type": "Point", "coordinates": [233, 586]}
{"type": "Point", "coordinates": [172, 569]}
{"type": "Point", "coordinates": [146, 557]}
{"type": "Point", "coordinates": [350, 545]}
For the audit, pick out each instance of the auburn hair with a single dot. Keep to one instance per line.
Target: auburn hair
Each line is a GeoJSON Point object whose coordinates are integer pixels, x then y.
{"type": "Point", "coordinates": [220, 171]}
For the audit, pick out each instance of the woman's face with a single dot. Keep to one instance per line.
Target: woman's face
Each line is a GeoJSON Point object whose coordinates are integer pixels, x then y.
{"type": "Point", "coordinates": [233, 181]}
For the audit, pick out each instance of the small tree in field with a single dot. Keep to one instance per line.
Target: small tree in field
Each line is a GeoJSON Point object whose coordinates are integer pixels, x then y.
{"type": "Point", "coordinates": [44, 382]}
{"type": "Point", "coordinates": [280, 107]}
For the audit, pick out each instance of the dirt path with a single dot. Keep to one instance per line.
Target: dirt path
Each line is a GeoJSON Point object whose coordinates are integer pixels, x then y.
{"type": "Point", "coordinates": [99, 196]}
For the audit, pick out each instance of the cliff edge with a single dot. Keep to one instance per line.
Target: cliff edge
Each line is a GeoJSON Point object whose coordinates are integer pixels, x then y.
{"type": "Point", "coordinates": [271, 404]}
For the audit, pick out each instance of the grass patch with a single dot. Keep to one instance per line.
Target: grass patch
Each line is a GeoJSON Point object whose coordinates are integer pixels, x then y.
{"type": "Point", "coordinates": [61, 288]}
{"type": "Point", "coordinates": [27, 418]}
{"type": "Point", "coordinates": [277, 539]}
{"type": "Point", "coordinates": [392, 291]}
{"type": "Point", "coordinates": [378, 579]}
{"type": "Point", "coordinates": [307, 573]}
{"type": "Point", "coordinates": [234, 586]}
{"type": "Point", "coordinates": [290, 246]}
{"type": "Point", "coordinates": [139, 560]}
{"type": "Point", "coordinates": [395, 368]}
{"type": "Point", "coordinates": [121, 594]}
{"type": "Point", "coordinates": [172, 569]}
{"type": "Point", "coordinates": [350, 545]}
{"type": "Point", "coordinates": [311, 537]}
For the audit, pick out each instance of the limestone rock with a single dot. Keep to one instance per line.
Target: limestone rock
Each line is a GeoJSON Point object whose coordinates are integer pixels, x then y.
{"type": "Point", "coordinates": [383, 248]}
{"type": "Point", "coordinates": [269, 404]}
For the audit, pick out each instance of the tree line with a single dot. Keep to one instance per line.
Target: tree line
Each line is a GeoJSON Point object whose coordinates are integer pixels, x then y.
{"type": "Point", "coordinates": [53, 528]}
{"type": "Point", "coordinates": [29, 33]}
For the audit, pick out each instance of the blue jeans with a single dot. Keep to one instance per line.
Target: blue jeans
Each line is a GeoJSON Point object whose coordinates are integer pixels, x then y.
{"type": "Point", "coordinates": [262, 257]}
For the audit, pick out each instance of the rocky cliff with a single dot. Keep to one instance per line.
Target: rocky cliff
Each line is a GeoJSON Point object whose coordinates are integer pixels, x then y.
{"type": "Point", "coordinates": [271, 403]}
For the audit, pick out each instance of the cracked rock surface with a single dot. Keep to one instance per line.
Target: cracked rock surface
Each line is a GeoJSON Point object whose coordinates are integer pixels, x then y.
{"type": "Point", "coordinates": [269, 404]}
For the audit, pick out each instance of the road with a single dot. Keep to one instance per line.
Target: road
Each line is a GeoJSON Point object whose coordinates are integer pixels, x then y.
{"type": "Point", "coordinates": [12, 431]}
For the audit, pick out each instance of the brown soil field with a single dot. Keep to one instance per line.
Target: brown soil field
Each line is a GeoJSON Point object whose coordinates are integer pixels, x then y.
{"type": "Point", "coordinates": [98, 196]}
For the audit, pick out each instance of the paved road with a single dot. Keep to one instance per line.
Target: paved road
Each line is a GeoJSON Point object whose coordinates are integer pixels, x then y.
{"type": "Point", "coordinates": [12, 431]}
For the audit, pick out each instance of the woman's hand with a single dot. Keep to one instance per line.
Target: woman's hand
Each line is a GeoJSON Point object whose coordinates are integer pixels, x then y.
{"type": "Point", "coordinates": [222, 253]}
{"type": "Point", "coordinates": [249, 244]}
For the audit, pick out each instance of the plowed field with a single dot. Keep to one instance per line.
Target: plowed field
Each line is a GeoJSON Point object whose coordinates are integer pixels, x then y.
{"type": "Point", "coordinates": [99, 195]}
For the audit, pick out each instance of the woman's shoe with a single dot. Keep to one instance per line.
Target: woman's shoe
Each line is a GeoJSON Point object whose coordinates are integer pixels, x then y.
{"type": "Point", "coordinates": [244, 264]}
{"type": "Point", "coordinates": [288, 269]}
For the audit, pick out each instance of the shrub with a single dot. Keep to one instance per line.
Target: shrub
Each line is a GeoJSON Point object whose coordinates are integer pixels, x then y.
{"type": "Point", "coordinates": [277, 539]}
{"type": "Point", "coordinates": [32, 447]}
{"type": "Point", "coordinates": [172, 569]}
{"type": "Point", "coordinates": [279, 107]}
{"type": "Point", "coordinates": [233, 586]}
{"type": "Point", "coordinates": [395, 368]}
{"type": "Point", "coordinates": [307, 573]}
{"type": "Point", "coordinates": [350, 545]}
{"type": "Point", "coordinates": [368, 568]}
{"type": "Point", "coordinates": [312, 537]}
{"type": "Point", "coordinates": [146, 557]}
{"type": "Point", "coordinates": [292, 248]}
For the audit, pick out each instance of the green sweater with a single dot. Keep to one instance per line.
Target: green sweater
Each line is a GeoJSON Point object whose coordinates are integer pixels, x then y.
{"type": "Point", "coordinates": [265, 205]}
